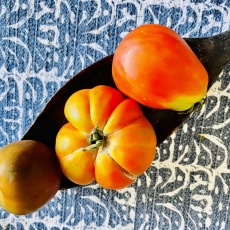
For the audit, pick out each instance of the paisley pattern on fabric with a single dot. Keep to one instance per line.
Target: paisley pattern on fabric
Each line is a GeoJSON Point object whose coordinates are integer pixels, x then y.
{"type": "Point", "coordinates": [44, 43]}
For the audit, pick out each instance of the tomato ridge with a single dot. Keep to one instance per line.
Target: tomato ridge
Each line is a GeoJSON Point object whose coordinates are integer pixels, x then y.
{"type": "Point", "coordinates": [120, 168]}
{"type": "Point", "coordinates": [122, 127]}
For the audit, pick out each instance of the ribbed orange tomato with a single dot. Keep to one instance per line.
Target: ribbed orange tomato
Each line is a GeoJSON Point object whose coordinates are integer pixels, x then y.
{"type": "Point", "coordinates": [107, 138]}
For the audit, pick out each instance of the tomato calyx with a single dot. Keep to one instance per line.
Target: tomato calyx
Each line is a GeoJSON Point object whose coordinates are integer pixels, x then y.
{"type": "Point", "coordinates": [96, 139]}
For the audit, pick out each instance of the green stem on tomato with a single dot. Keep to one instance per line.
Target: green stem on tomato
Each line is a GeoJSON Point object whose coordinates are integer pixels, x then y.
{"type": "Point", "coordinates": [96, 139]}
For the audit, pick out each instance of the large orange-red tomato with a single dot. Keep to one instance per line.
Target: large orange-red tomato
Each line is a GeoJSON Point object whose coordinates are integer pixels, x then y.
{"type": "Point", "coordinates": [107, 138]}
{"type": "Point", "coordinates": [156, 67]}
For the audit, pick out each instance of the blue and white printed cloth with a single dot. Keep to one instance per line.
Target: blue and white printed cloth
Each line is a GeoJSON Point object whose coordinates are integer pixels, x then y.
{"type": "Point", "coordinates": [43, 43]}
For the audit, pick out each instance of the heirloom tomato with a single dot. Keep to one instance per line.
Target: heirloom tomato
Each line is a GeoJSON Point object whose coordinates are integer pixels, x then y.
{"type": "Point", "coordinates": [107, 138]}
{"type": "Point", "coordinates": [156, 67]}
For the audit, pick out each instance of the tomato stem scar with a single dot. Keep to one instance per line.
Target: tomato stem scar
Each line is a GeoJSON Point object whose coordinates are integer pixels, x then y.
{"type": "Point", "coordinates": [96, 139]}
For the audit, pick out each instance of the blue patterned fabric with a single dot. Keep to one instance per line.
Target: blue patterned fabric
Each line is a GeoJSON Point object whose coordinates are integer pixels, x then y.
{"type": "Point", "coordinates": [44, 43]}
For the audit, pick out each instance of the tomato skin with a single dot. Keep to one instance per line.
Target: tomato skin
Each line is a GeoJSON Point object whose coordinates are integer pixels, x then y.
{"type": "Point", "coordinates": [29, 176]}
{"type": "Point", "coordinates": [76, 165]}
{"type": "Point", "coordinates": [131, 133]}
{"type": "Point", "coordinates": [93, 107]}
{"type": "Point", "coordinates": [128, 141]}
{"type": "Point", "coordinates": [156, 67]}
{"type": "Point", "coordinates": [136, 139]}
{"type": "Point", "coordinates": [108, 174]}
